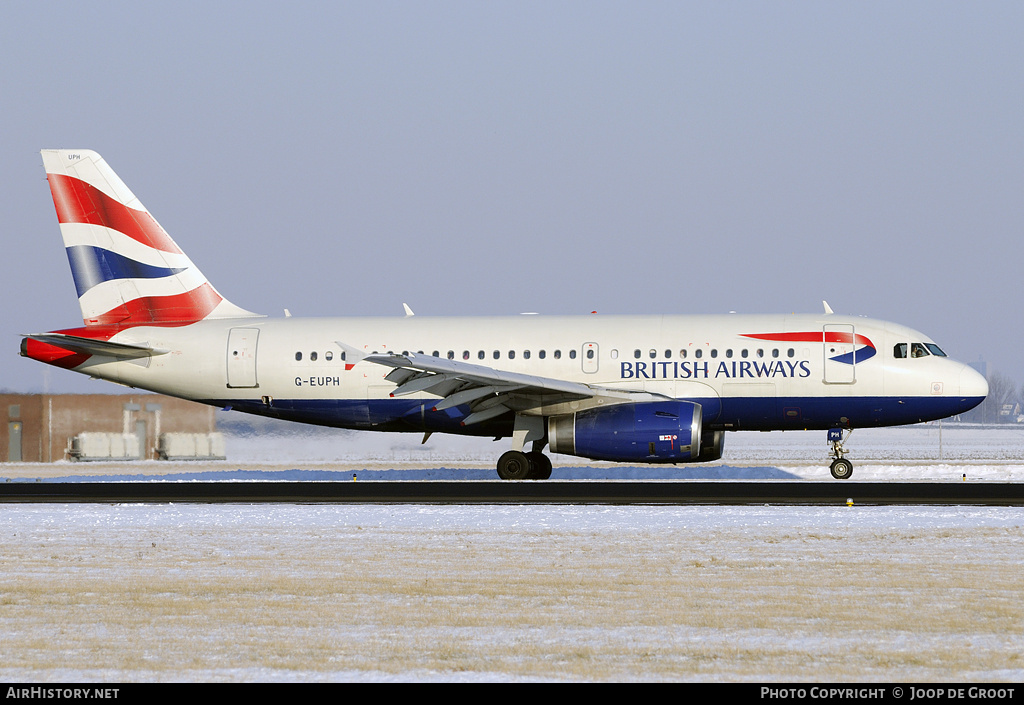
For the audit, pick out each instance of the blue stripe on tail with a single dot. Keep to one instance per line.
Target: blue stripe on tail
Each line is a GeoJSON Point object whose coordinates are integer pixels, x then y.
{"type": "Point", "coordinates": [94, 265]}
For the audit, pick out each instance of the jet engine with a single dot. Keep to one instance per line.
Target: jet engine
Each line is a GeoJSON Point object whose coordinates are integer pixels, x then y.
{"type": "Point", "coordinates": [648, 432]}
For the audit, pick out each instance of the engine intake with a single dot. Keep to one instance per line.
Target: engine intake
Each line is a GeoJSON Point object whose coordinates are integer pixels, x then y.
{"type": "Point", "coordinates": [649, 432]}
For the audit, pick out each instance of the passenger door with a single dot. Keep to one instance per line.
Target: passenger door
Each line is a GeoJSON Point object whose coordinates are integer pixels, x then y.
{"type": "Point", "coordinates": [241, 362]}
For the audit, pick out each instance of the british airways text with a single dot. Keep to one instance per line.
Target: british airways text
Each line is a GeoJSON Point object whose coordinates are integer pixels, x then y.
{"type": "Point", "coordinates": [735, 369]}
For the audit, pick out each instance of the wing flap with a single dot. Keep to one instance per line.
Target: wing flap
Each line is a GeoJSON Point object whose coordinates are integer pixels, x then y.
{"type": "Point", "coordinates": [468, 396]}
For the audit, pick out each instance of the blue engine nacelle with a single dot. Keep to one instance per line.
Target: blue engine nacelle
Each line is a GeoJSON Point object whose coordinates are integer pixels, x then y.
{"type": "Point", "coordinates": [649, 432]}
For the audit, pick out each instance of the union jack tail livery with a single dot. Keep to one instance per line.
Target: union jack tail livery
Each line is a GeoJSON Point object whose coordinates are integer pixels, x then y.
{"type": "Point", "coordinates": [127, 269]}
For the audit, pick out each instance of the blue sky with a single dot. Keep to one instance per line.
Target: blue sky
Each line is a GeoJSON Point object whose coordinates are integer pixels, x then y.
{"type": "Point", "coordinates": [559, 157]}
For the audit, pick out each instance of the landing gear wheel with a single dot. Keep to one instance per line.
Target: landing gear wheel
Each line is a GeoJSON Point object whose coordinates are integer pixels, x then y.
{"type": "Point", "coordinates": [514, 465]}
{"type": "Point", "coordinates": [841, 469]}
{"type": "Point", "coordinates": [540, 465]}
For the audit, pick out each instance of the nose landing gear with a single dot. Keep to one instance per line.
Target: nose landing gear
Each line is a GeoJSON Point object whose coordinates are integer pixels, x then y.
{"type": "Point", "coordinates": [841, 468]}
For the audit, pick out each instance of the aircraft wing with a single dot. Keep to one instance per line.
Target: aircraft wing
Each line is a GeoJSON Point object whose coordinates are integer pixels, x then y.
{"type": "Point", "coordinates": [91, 346]}
{"type": "Point", "coordinates": [488, 392]}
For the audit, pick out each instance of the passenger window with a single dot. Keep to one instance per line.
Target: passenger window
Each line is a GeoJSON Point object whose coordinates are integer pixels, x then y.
{"type": "Point", "coordinates": [526, 354]}
{"type": "Point", "coordinates": [480, 355]}
{"type": "Point", "coordinates": [541, 354]}
{"type": "Point", "coordinates": [775, 352]}
{"type": "Point", "coordinates": [451, 354]}
{"type": "Point", "coordinates": [328, 356]}
{"type": "Point", "coordinates": [497, 355]}
{"type": "Point", "coordinates": [558, 354]}
{"type": "Point", "coordinates": [760, 352]}
{"type": "Point", "coordinates": [900, 351]}
{"type": "Point", "coordinates": [590, 354]}
{"type": "Point", "coordinates": [652, 353]}
{"type": "Point", "coordinates": [312, 357]}
{"type": "Point", "coordinates": [465, 354]}
{"type": "Point", "coordinates": [636, 353]}
{"type": "Point", "coordinates": [572, 354]}
{"type": "Point", "coordinates": [298, 357]}
{"type": "Point", "coordinates": [682, 353]}
{"type": "Point", "coordinates": [790, 353]}
{"type": "Point", "coordinates": [511, 354]}
{"type": "Point", "coordinates": [714, 352]}
{"type": "Point", "coordinates": [728, 352]}
{"type": "Point", "coordinates": [698, 353]}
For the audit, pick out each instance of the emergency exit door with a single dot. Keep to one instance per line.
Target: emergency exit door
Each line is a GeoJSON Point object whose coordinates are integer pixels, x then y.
{"type": "Point", "coordinates": [591, 360]}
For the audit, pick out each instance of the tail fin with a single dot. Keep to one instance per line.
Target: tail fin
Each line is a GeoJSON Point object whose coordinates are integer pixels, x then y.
{"type": "Point", "coordinates": [127, 270]}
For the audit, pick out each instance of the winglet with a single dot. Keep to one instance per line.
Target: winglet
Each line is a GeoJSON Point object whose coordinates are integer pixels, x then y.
{"type": "Point", "coordinates": [408, 311]}
{"type": "Point", "coordinates": [828, 309]}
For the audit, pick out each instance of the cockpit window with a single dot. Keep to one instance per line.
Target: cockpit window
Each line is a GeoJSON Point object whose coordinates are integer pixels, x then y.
{"type": "Point", "coordinates": [900, 350]}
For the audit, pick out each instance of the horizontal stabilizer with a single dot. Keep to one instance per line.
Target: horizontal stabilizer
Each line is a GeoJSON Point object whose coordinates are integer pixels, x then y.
{"type": "Point", "coordinates": [91, 346]}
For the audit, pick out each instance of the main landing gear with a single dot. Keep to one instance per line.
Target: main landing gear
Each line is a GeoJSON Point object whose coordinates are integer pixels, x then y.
{"type": "Point", "coordinates": [517, 465]}
{"type": "Point", "coordinates": [841, 468]}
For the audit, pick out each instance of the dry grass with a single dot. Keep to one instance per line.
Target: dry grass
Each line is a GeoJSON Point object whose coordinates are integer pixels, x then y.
{"type": "Point", "coordinates": [211, 603]}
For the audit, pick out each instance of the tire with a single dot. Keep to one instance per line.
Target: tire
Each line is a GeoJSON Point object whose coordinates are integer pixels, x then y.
{"type": "Point", "coordinates": [514, 465]}
{"type": "Point", "coordinates": [841, 469]}
{"type": "Point", "coordinates": [540, 465]}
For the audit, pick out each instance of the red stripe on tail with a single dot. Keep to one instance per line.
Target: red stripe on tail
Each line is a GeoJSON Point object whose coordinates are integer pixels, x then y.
{"type": "Point", "coordinates": [79, 202]}
{"type": "Point", "coordinates": [177, 310]}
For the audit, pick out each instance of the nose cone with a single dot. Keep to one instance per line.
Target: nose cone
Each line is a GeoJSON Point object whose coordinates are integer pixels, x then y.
{"type": "Point", "coordinates": [973, 386]}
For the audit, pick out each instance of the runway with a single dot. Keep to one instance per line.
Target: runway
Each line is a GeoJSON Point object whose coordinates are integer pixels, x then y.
{"type": "Point", "coordinates": [656, 492]}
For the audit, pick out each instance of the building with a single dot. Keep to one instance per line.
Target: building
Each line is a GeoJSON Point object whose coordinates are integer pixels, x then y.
{"type": "Point", "coordinates": [50, 427]}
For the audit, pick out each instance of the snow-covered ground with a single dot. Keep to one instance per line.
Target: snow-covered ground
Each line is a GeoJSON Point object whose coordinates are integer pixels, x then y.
{"type": "Point", "coordinates": [503, 593]}
{"type": "Point", "coordinates": [506, 593]}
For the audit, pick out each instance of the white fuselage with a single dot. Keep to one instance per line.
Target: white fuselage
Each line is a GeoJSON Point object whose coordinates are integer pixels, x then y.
{"type": "Point", "coordinates": [305, 368]}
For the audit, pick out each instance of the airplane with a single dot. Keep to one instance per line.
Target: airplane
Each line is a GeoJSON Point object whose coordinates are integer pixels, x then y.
{"type": "Point", "coordinates": [633, 389]}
